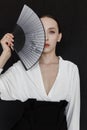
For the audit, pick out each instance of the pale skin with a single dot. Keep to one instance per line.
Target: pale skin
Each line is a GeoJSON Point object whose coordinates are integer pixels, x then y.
{"type": "Point", "coordinates": [7, 44]}
{"type": "Point", "coordinates": [49, 62]}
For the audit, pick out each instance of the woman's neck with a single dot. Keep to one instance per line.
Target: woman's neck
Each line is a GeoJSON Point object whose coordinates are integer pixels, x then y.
{"type": "Point", "coordinates": [48, 59]}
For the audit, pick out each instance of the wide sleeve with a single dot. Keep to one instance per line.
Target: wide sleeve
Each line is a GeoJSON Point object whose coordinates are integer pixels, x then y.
{"type": "Point", "coordinates": [9, 81]}
{"type": "Point", "coordinates": [73, 108]}
{"type": "Point", "coordinates": [5, 83]}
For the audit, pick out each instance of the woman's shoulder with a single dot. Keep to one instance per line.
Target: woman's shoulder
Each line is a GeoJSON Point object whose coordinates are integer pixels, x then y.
{"type": "Point", "coordinates": [68, 64]}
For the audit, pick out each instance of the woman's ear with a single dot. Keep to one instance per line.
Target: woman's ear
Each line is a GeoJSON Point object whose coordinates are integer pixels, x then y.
{"type": "Point", "coordinates": [59, 37]}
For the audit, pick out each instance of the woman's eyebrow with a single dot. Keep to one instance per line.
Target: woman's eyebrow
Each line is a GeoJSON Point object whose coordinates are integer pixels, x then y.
{"type": "Point", "coordinates": [52, 28]}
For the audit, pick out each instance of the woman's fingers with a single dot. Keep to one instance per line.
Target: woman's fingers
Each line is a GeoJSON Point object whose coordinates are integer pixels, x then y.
{"type": "Point", "coordinates": [9, 35]}
{"type": "Point", "coordinates": [8, 40]}
{"type": "Point", "coordinates": [7, 44]}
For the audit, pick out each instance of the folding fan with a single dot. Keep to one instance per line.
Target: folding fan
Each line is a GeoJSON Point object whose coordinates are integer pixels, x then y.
{"type": "Point", "coordinates": [29, 37]}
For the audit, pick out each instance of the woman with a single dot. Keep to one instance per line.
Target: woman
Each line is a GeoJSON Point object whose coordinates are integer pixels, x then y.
{"type": "Point", "coordinates": [52, 85]}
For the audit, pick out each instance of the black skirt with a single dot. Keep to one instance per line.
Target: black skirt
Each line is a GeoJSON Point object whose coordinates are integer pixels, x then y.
{"type": "Point", "coordinates": [33, 115]}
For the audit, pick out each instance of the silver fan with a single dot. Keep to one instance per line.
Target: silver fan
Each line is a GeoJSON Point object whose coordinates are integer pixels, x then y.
{"type": "Point", "coordinates": [29, 37]}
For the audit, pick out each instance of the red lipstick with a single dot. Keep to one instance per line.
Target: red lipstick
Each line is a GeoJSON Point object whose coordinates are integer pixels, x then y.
{"type": "Point", "coordinates": [47, 45]}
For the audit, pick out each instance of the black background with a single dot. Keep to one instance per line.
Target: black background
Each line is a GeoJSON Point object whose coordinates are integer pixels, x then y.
{"type": "Point", "coordinates": [73, 19]}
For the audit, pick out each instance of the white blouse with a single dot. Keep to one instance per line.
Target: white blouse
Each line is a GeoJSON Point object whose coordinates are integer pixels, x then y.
{"type": "Point", "coordinates": [17, 83]}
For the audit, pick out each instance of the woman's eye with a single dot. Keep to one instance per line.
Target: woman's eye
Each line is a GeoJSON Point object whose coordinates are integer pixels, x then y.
{"type": "Point", "coordinates": [52, 31]}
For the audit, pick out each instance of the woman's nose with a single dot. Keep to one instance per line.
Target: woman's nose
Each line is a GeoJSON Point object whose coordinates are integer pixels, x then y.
{"type": "Point", "coordinates": [47, 37]}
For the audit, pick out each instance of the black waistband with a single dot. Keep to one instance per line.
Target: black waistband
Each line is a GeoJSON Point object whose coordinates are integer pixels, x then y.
{"type": "Point", "coordinates": [43, 115]}
{"type": "Point", "coordinates": [33, 115]}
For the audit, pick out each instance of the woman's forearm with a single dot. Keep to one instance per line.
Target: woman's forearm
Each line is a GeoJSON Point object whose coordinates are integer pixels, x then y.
{"type": "Point", "coordinates": [4, 58]}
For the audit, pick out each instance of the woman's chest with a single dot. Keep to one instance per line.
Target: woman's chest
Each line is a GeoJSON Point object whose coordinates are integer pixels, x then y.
{"type": "Point", "coordinates": [49, 76]}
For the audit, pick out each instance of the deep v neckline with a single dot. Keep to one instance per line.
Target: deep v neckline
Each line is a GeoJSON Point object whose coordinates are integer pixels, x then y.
{"type": "Point", "coordinates": [53, 85]}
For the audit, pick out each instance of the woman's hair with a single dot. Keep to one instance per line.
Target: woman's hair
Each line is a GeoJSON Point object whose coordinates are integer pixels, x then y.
{"type": "Point", "coordinates": [50, 16]}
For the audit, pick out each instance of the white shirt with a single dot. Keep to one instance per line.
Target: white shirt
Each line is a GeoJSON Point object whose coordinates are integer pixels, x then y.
{"type": "Point", "coordinates": [17, 83]}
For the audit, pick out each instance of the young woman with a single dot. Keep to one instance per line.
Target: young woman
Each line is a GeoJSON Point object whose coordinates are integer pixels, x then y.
{"type": "Point", "coordinates": [51, 88]}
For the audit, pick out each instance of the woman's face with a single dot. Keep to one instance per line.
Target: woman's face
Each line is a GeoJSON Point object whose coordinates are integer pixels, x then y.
{"type": "Point", "coordinates": [52, 34]}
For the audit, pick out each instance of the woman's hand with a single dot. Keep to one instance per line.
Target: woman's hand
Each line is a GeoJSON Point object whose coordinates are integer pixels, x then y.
{"type": "Point", "coordinates": [7, 44]}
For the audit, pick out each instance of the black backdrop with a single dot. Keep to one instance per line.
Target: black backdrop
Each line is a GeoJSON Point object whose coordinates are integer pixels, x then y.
{"type": "Point", "coordinates": [73, 18]}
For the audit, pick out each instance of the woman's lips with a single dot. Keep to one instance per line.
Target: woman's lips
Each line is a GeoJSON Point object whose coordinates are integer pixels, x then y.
{"type": "Point", "coordinates": [47, 45]}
